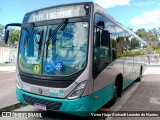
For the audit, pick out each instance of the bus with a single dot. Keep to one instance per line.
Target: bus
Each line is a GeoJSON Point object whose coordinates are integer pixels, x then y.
{"type": "Point", "coordinates": [75, 58]}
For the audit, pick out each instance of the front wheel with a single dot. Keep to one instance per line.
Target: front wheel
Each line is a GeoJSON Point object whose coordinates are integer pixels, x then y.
{"type": "Point", "coordinates": [115, 95]}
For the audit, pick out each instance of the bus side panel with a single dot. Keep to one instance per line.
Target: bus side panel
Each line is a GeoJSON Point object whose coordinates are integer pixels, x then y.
{"type": "Point", "coordinates": [125, 84]}
{"type": "Point", "coordinates": [139, 61]}
{"type": "Point", "coordinates": [128, 70]}
{"type": "Point", "coordinates": [130, 78]}
{"type": "Point", "coordinates": [102, 96]}
{"type": "Point", "coordinates": [104, 87]}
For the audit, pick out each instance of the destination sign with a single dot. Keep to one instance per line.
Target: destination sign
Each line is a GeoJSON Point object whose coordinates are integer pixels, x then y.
{"type": "Point", "coordinates": [57, 13]}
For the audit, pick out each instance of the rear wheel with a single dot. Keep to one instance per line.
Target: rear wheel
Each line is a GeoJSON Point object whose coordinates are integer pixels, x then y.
{"type": "Point", "coordinates": [140, 75]}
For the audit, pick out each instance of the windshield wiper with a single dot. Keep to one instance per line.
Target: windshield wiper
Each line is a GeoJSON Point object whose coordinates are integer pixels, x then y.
{"type": "Point", "coordinates": [32, 27]}
{"type": "Point", "coordinates": [55, 31]}
{"type": "Point", "coordinates": [40, 44]}
{"type": "Point", "coordinates": [40, 41]}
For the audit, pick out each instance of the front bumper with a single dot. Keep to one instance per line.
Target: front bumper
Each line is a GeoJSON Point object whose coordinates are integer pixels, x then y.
{"type": "Point", "coordinates": [80, 107]}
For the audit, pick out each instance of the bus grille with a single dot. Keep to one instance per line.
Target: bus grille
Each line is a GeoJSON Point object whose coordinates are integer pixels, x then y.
{"type": "Point", "coordinates": [50, 105]}
{"type": "Point", "coordinates": [47, 83]}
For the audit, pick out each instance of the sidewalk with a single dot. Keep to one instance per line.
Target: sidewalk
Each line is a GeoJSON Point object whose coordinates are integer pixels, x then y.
{"type": "Point", "coordinates": [153, 64]}
{"type": "Point", "coordinates": [7, 89]}
{"type": "Point", "coordinates": [7, 68]}
{"type": "Point", "coordinates": [7, 85]}
{"type": "Point", "coordinates": [146, 97]}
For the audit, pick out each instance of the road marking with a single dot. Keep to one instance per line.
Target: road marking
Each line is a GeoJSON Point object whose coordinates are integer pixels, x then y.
{"type": "Point", "coordinates": [154, 100]}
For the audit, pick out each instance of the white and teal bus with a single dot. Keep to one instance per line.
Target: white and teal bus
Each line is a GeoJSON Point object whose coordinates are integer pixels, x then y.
{"type": "Point", "coordinates": [75, 57]}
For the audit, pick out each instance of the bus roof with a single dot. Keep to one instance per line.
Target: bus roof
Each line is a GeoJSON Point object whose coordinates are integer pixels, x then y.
{"type": "Point", "coordinates": [105, 13]}
{"type": "Point", "coordinates": [69, 11]}
{"type": "Point", "coordinates": [56, 12]}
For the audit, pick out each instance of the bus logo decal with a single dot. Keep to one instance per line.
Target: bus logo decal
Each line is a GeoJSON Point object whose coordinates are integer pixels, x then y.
{"type": "Point", "coordinates": [57, 93]}
{"type": "Point", "coordinates": [40, 91]}
{"type": "Point", "coordinates": [58, 66]}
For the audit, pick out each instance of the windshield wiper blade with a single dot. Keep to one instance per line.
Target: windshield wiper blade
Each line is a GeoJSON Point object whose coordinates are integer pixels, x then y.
{"type": "Point", "coordinates": [40, 44]}
{"type": "Point", "coordinates": [55, 31]}
{"type": "Point", "coordinates": [40, 41]}
{"type": "Point", "coordinates": [32, 27]}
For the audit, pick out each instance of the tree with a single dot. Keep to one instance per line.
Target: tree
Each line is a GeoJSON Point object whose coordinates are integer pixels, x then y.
{"type": "Point", "coordinates": [140, 31]}
{"type": "Point", "coordinates": [120, 44]}
{"type": "Point", "coordinates": [148, 36]}
{"type": "Point", "coordinates": [135, 44]}
{"type": "Point", "coordinates": [1, 32]}
{"type": "Point", "coordinates": [14, 35]}
{"type": "Point", "coordinates": [1, 35]}
{"type": "Point", "coordinates": [155, 32]}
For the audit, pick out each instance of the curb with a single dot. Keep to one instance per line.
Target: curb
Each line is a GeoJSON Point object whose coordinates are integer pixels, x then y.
{"type": "Point", "coordinates": [126, 94]}
{"type": "Point", "coordinates": [12, 107]}
{"type": "Point", "coordinates": [153, 65]}
{"type": "Point", "coordinates": [7, 64]}
{"type": "Point", "coordinates": [8, 71]}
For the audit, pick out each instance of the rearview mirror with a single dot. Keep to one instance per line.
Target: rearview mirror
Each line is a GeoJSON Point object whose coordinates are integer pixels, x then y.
{"type": "Point", "coordinates": [6, 36]}
{"type": "Point", "coordinates": [114, 54]}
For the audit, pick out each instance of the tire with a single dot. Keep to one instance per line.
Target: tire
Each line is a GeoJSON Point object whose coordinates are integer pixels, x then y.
{"type": "Point", "coordinates": [117, 91]}
{"type": "Point", "coordinates": [140, 75]}
{"type": "Point", "coordinates": [115, 95]}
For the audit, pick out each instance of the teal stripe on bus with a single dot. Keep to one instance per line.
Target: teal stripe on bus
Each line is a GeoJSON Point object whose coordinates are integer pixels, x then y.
{"type": "Point", "coordinates": [104, 95]}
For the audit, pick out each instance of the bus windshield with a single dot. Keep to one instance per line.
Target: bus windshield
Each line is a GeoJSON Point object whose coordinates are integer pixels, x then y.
{"type": "Point", "coordinates": [64, 54]}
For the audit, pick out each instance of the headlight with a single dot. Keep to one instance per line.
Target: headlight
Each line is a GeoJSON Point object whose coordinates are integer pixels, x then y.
{"type": "Point", "coordinates": [17, 81]}
{"type": "Point", "coordinates": [78, 91]}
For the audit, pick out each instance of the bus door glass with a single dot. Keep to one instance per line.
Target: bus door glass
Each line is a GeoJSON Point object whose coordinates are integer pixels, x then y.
{"type": "Point", "coordinates": [102, 45]}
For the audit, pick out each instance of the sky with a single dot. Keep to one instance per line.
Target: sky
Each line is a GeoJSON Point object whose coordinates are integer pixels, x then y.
{"type": "Point", "coordinates": [134, 14]}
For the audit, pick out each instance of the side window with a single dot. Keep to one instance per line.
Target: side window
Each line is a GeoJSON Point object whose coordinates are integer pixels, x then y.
{"type": "Point", "coordinates": [120, 40]}
{"type": "Point", "coordinates": [114, 42]}
{"type": "Point", "coordinates": [135, 44]}
{"type": "Point", "coordinates": [105, 43]}
{"type": "Point", "coordinates": [128, 48]}
{"type": "Point", "coordinates": [97, 32]}
{"type": "Point", "coordinates": [102, 46]}
{"type": "Point", "coordinates": [96, 61]}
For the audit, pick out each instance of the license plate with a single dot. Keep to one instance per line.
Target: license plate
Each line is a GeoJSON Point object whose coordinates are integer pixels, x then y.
{"type": "Point", "coordinates": [40, 106]}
